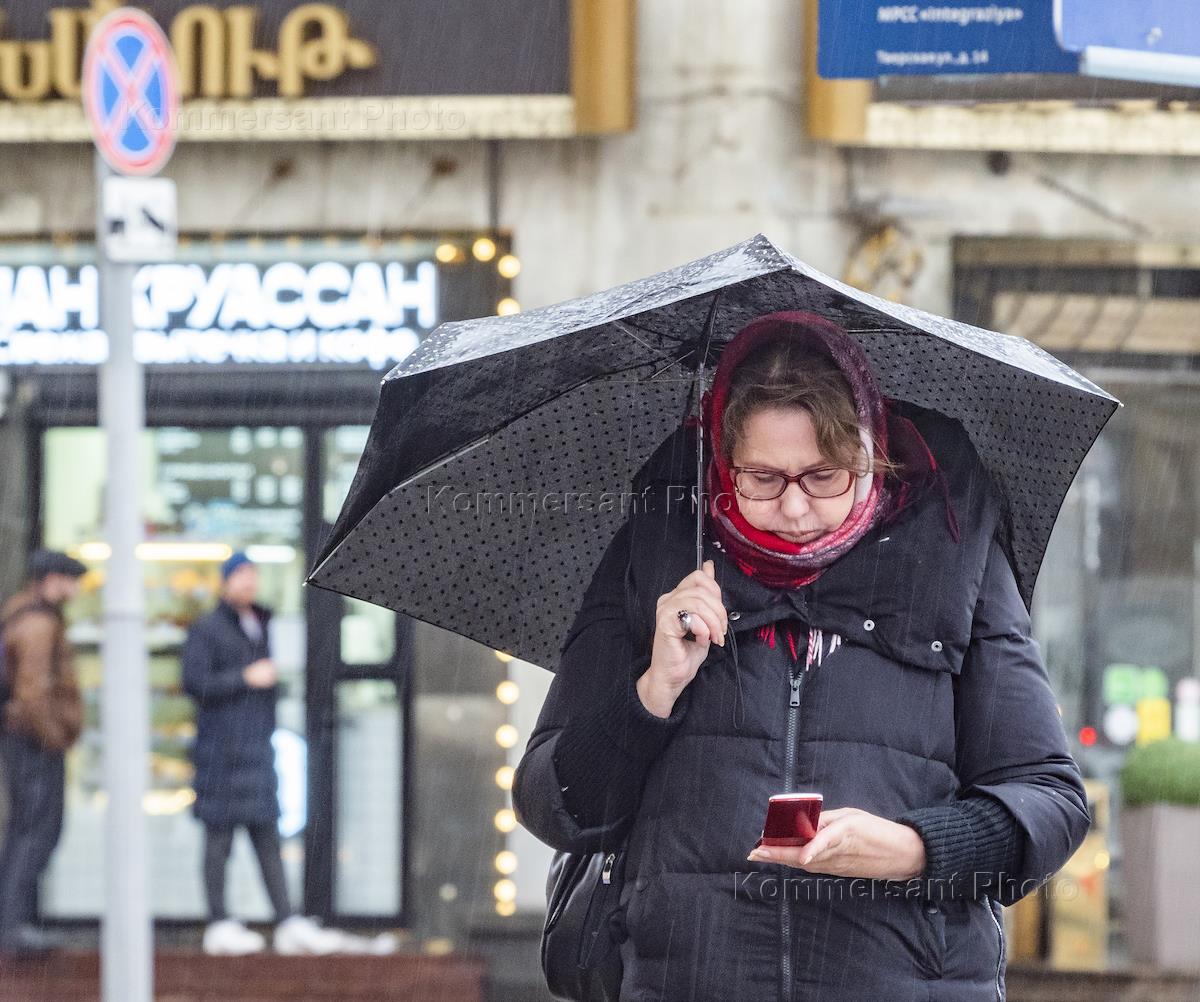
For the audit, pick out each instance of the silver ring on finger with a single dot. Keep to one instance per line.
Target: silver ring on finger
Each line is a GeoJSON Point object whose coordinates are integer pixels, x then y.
{"type": "Point", "coordinates": [685, 620]}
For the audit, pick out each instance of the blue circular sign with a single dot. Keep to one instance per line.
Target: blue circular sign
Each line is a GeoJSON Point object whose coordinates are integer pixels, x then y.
{"type": "Point", "coordinates": [130, 92]}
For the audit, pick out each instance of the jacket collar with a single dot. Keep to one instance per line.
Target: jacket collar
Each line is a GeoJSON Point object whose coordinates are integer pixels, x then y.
{"type": "Point", "coordinates": [232, 614]}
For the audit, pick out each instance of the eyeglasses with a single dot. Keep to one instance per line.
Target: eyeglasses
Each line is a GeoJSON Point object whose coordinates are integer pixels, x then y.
{"type": "Point", "coordinates": [766, 485]}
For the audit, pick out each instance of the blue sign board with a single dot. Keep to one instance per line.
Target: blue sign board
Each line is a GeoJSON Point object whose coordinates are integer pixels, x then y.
{"type": "Point", "coordinates": [1166, 27]}
{"type": "Point", "coordinates": [865, 38]}
{"type": "Point", "coordinates": [130, 92]}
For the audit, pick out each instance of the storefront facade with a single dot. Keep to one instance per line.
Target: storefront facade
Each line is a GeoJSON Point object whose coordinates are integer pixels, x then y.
{"type": "Point", "coordinates": [343, 188]}
{"type": "Point", "coordinates": [263, 361]}
{"type": "Point", "coordinates": [720, 150]}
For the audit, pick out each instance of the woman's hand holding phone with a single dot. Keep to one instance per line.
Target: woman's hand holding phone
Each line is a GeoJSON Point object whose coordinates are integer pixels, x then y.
{"type": "Point", "coordinates": [854, 843]}
{"type": "Point", "coordinates": [674, 661]}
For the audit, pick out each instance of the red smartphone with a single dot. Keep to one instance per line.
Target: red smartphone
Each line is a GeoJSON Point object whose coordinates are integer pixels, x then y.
{"type": "Point", "coordinates": [791, 819]}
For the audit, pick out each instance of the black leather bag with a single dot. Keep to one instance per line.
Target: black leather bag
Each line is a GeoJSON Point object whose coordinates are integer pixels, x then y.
{"type": "Point", "coordinates": [581, 958]}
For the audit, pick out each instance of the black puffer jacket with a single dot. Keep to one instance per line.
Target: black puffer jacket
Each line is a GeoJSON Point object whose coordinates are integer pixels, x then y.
{"type": "Point", "coordinates": [933, 709]}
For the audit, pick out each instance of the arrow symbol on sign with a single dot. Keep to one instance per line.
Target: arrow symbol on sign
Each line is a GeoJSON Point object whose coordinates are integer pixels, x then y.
{"type": "Point", "coordinates": [153, 220]}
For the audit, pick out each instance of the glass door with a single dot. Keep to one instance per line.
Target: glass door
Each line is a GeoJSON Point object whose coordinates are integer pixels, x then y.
{"type": "Point", "coordinates": [361, 657]}
{"type": "Point", "coordinates": [341, 742]}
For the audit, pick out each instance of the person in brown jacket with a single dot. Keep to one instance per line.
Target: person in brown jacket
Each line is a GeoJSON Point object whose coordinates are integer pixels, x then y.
{"type": "Point", "coordinates": [40, 719]}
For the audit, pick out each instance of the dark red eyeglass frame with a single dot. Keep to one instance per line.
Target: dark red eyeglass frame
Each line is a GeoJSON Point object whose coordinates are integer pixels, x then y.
{"type": "Point", "coordinates": [796, 478]}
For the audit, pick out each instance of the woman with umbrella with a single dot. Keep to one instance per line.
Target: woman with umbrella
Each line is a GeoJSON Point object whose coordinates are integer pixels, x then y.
{"type": "Point", "coordinates": [856, 629]}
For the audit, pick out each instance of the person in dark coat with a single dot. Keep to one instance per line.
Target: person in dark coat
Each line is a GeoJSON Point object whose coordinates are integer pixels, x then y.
{"type": "Point", "coordinates": [228, 672]}
{"type": "Point", "coordinates": [858, 632]}
{"type": "Point", "coordinates": [41, 716]}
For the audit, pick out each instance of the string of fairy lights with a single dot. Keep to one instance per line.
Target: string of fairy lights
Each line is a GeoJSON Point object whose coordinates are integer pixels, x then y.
{"type": "Point", "coordinates": [507, 691]}
{"type": "Point", "coordinates": [507, 736]}
{"type": "Point", "coordinates": [484, 249]}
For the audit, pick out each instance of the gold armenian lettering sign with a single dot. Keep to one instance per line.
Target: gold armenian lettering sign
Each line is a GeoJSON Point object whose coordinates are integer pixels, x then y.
{"type": "Point", "coordinates": [283, 70]}
{"type": "Point", "coordinates": [214, 48]}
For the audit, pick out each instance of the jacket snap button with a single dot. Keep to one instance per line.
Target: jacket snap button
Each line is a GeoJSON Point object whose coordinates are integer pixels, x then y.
{"type": "Point", "coordinates": [735, 615]}
{"type": "Point", "coordinates": [931, 908]}
{"type": "Point", "coordinates": [936, 645]}
{"type": "Point", "coordinates": [869, 625]}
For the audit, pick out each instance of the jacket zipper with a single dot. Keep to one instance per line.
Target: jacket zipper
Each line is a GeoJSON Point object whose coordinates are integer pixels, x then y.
{"type": "Point", "coordinates": [1000, 956]}
{"type": "Point", "coordinates": [796, 680]}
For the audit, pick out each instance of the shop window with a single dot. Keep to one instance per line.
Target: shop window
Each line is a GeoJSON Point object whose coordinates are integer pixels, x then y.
{"type": "Point", "coordinates": [206, 492]}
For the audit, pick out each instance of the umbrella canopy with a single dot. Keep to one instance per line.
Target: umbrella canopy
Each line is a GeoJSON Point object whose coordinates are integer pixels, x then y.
{"type": "Point", "coordinates": [501, 457]}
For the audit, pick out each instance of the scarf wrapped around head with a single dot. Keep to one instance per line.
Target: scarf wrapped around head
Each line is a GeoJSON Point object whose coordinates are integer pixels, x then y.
{"type": "Point", "coordinates": [878, 498]}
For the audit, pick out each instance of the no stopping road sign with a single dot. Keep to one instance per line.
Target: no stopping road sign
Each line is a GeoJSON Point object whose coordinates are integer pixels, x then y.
{"type": "Point", "coordinates": [131, 92]}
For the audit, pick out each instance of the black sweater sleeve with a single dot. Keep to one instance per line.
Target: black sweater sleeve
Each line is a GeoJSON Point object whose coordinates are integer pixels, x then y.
{"type": "Point", "coordinates": [602, 753]}
{"type": "Point", "coordinates": [971, 846]}
{"type": "Point", "coordinates": [594, 740]}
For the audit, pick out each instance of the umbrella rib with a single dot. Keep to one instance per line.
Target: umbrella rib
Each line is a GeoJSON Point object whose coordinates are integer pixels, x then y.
{"type": "Point", "coordinates": [444, 460]}
{"type": "Point", "coordinates": [674, 361]}
{"type": "Point", "coordinates": [647, 330]}
{"type": "Point", "coordinates": [621, 325]}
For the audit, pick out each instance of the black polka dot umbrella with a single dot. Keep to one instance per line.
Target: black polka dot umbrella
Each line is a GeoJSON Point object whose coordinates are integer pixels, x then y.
{"type": "Point", "coordinates": [502, 453]}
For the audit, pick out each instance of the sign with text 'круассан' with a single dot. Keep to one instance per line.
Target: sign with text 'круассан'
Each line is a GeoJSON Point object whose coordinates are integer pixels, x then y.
{"type": "Point", "coordinates": [368, 313]}
{"type": "Point", "coordinates": [268, 303]}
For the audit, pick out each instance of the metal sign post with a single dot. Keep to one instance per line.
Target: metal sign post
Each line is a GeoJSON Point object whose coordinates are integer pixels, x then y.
{"type": "Point", "coordinates": [126, 935]}
{"type": "Point", "coordinates": [131, 95]}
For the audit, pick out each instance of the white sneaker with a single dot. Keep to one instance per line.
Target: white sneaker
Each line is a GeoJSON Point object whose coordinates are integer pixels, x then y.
{"type": "Point", "coordinates": [299, 934]}
{"type": "Point", "coordinates": [353, 943]}
{"type": "Point", "coordinates": [229, 938]}
{"type": "Point", "coordinates": [385, 943]}
{"type": "Point", "coordinates": [379, 945]}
